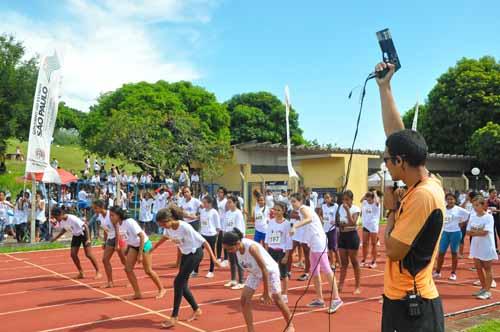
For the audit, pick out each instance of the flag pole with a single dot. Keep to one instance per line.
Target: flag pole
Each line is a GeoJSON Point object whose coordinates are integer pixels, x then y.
{"type": "Point", "coordinates": [33, 209]}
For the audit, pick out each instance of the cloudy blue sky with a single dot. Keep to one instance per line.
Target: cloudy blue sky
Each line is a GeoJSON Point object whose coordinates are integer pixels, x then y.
{"type": "Point", "coordinates": [321, 49]}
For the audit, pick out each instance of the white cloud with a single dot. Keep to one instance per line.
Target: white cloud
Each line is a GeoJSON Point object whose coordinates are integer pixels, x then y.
{"type": "Point", "coordinates": [109, 43]}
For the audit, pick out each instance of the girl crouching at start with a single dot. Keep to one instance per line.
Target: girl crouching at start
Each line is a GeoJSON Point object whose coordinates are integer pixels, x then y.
{"type": "Point", "coordinates": [260, 267]}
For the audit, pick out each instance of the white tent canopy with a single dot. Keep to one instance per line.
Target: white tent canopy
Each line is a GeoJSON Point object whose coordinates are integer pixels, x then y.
{"type": "Point", "coordinates": [375, 180]}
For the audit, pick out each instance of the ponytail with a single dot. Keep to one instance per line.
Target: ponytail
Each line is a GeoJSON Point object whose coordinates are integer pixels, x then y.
{"type": "Point", "coordinates": [233, 237]}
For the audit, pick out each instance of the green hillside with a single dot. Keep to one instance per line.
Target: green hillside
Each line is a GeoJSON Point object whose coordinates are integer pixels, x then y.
{"type": "Point", "coordinates": [70, 157]}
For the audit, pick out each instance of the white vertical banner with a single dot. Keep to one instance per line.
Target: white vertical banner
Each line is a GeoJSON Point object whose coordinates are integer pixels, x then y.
{"type": "Point", "coordinates": [415, 118]}
{"type": "Point", "coordinates": [43, 118]}
{"type": "Point", "coordinates": [291, 171]}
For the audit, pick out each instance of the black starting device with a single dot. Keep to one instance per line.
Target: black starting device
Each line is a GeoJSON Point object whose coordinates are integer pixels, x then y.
{"type": "Point", "coordinates": [389, 54]}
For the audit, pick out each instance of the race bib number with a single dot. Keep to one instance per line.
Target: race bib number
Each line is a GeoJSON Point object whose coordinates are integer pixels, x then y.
{"type": "Point", "coordinates": [275, 238]}
{"type": "Point", "coordinates": [369, 210]}
{"type": "Point", "coordinates": [124, 235]}
{"type": "Point", "coordinates": [343, 220]}
{"type": "Point", "coordinates": [246, 265]}
{"type": "Point", "coordinates": [204, 222]}
{"type": "Point", "coordinates": [230, 223]}
{"type": "Point", "coordinates": [447, 218]}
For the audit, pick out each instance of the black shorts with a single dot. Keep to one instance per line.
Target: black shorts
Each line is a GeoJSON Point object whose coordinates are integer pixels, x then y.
{"type": "Point", "coordinates": [349, 240]}
{"type": "Point", "coordinates": [111, 243]}
{"type": "Point", "coordinates": [395, 316]}
{"type": "Point", "coordinates": [77, 241]}
{"type": "Point", "coordinates": [278, 255]}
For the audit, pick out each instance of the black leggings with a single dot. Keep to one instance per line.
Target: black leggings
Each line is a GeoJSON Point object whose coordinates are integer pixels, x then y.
{"type": "Point", "coordinates": [211, 241]}
{"type": "Point", "coordinates": [497, 229]}
{"type": "Point", "coordinates": [233, 261]}
{"type": "Point", "coordinates": [219, 247]}
{"type": "Point", "coordinates": [181, 287]}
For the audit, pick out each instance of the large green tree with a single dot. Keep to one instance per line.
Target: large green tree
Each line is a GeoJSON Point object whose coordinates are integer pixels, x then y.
{"type": "Point", "coordinates": [69, 118]}
{"type": "Point", "coordinates": [17, 87]}
{"type": "Point", "coordinates": [464, 99]}
{"type": "Point", "coordinates": [485, 144]}
{"type": "Point", "coordinates": [159, 126]}
{"type": "Point", "coordinates": [261, 116]}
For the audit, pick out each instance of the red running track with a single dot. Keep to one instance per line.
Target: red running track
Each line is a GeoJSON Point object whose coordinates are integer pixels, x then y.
{"type": "Point", "coordinates": [37, 293]}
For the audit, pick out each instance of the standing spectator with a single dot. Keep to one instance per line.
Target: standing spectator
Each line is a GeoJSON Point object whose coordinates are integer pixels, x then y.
{"type": "Point", "coordinates": [195, 183]}
{"type": "Point", "coordinates": [21, 213]}
{"type": "Point", "coordinates": [87, 163]}
{"type": "Point", "coordinates": [134, 180]}
{"type": "Point", "coordinates": [269, 199]}
{"type": "Point", "coordinates": [183, 178]}
{"type": "Point", "coordinates": [41, 226]}
{"type": "Point", "coordinates": [5, 206]}
{"type": "Point", "coordinates": [145, 212]}
{"type": "Point", "coordinates": [19, 154]}
{"type": "Point", "coordinates": [169, 181]}
{"type": "Point", "coordinates": [494, 208]}
{"type": "Point", "coordinates": [97, 168]}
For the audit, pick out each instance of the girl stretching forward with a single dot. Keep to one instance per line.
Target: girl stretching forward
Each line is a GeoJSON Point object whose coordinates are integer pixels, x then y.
{"type": "Point", "coordinates": [260, 267]}
{"type": "Point", "coordinates": [190, 244]}
{"type": "Point", "coordinates": [138, 250]}
{"type": "Point", "coordinates": [315, 238]}
{"type": "Point", "coordinates": [80, 231]}
{"type": "Point", "coordinates": [482, 247]}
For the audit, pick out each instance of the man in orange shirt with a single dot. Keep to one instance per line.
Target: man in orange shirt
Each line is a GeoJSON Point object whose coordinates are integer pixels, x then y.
{"type": "Point", "coordinates": [411, 300]}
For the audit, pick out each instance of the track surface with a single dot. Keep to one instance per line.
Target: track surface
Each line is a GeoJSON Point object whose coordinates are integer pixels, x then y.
{"type": "Point", "coordinates": [37, 293]}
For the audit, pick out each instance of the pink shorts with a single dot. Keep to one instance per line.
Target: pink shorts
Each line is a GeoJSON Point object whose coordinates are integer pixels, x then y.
{"type": "Point", "coordinates": [319, 263]}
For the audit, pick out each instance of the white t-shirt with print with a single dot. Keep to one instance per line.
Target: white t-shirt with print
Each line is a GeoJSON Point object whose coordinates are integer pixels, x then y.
{"type": "Point", "coordinates": [145, 213]}
{"type": "Point", "coordinates": [261, 215]}
{"type": "Point", "coordinates": [278, 235]}
{"type": "Point", "coordinates": [192, 207]}
{"type": "Point", "coordinates": [234, 219]}
{"type": "Point", "coordinates": [130, 230]}
{"type": "Point", "coordinates": [329, 213]}
{"type": "Point", "coordinates": [73, 224]}
{"type": "Point", "coordinates": [210, 222]}
{"type": "Point", "coordinates": [189, 239]}
{"type": "Point", "coordinates": [454, 217]}
{"type": "Point", "coordinates": [343, 220]}
{"type": "Point", "coordinates": [370, 214]}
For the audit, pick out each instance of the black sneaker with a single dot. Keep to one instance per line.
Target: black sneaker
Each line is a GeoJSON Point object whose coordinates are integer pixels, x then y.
{"type": "Point", "coordinates": [303, 277]}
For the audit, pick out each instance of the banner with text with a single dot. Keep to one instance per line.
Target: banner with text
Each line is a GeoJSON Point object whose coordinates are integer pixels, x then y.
{"type": "Point", "coordinates": [43, 118]}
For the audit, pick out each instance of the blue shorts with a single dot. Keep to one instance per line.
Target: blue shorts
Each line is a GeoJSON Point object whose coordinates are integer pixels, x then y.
{"type": "Point", "coordinates": [259, 236]}
{"type": "Point", "coordinates": [451, 239]}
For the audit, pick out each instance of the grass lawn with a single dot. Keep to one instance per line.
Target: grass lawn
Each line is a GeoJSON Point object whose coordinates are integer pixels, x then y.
{"type": "Point", "coordinates": [70, 157]}
{"type": "Point", "coordinates": [489, 326]}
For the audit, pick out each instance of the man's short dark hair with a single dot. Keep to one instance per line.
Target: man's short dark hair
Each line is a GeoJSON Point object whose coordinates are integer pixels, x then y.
{"type": "Point", "coordinates": [409, 145]}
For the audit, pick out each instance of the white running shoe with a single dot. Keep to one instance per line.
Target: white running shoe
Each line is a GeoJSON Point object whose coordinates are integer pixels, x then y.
{"type": "Point", "coordinates": [453, 277]}
{"type": "Point", "coordinates": [231, 283]}
{"type": "Point", "coordinates": [238, 286]}
{"type": "Point", "coordinates": [436, 275]}
{"type": "Point", "coordinates": [209, 275]}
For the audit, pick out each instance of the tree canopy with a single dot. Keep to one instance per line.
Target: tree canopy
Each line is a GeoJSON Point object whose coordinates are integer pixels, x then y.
{"type": "Point", "coordinates": [159, 126]}
{"type": "Point", "coordinates": [485, 144]}
{"type": "Point", "coordinates": [69, 118]}
{"type": "Point", "coordinates": [17, 86]}
{"type": "Point", "coordinates": [464, 99]}
{"type": "Point", "coordinates": [261, 116]}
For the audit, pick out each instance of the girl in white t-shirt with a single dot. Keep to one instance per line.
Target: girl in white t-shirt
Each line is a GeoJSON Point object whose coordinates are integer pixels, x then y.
{"type": "Point", "coordinates": [349, 239]}
{"type": "Point", "coordinates": [221, 209]}
{"type": "Point", "coordinates": [467, 204]}
{"type": "Point", "coordinates": [451, 236]}
{"type": "Point", "coordinates": [278, 243]}
{"type": "Point", "coordinates": [138, 250]}
{"type": "Point", "coordinates": [370, 214]}
{"type": "Point", "coordinates": [80, 232]}
{"type": "Point", "coordinates": [482, 247]}
{"type": "Point", "coordinates": [146, 211]}
{"type": "Point", "coordinates": [261, 219]}
{"type": "Point", "coordinates": [328, 213]}
{"type": "Point", "coordinates": [110, 244]}
{"type": "Point", "coordinates": [210, 227]}
{"type": "Point", "coordinates": [315, 238]}
{"type": "Point", "coordinates": [190, 243]}
{"type": "Point", "coordinates": [233, 218]}
{"type": "Point", "coordinates": [261, 267]}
